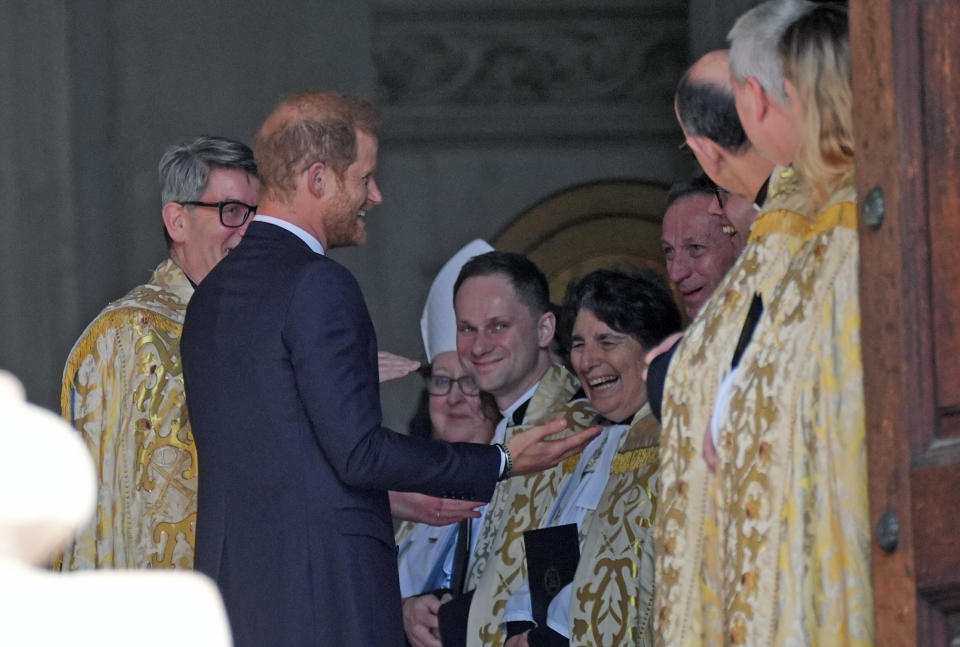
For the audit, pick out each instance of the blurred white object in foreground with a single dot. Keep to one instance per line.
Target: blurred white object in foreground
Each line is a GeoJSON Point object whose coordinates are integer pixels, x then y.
{"type": "Point", "coordinates": [47, 492]}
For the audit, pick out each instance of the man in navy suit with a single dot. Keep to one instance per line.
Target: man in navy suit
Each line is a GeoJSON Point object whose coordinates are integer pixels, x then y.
{"type": "Point", "coordinates": [280, 364]}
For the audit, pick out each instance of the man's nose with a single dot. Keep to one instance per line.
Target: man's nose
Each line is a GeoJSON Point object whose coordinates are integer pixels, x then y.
{"type": "Point", "coordinates": [373, 192]}
{"type": "Point", "coordinates": [715, 208]}
{"type": "Point", "coordinates": [481, 345]}
{"type": "Point", "coordinates": [678, 268]}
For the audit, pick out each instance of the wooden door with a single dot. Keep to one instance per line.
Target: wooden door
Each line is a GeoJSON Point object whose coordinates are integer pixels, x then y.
{"type": "Point", "coordinates": [906, 56]}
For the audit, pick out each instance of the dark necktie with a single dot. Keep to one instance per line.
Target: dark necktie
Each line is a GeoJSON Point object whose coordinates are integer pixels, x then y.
{"type": "Point", "coordinates": [753, 316]}
{"type": "Point", "coordinates": [519, 413]}
{"type": "Point", "coordinates": [461, 557]}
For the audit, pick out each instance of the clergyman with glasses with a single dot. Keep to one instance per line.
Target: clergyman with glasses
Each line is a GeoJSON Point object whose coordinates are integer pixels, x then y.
{"type": "Point", "coordinates": [122, 385]}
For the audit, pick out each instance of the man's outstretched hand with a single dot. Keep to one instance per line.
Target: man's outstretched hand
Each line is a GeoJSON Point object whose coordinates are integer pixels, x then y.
{"type": "Point", "coordinates": [533, 451]}
{"type": "Point", "coordinates": [393, 366]}
{"type": "Point", "coordinates": [423, 508]}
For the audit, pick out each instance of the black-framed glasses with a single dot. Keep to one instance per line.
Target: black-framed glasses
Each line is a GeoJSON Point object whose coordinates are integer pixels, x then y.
{"type": "Point", "coordinates": [233, 213]}
{"type": "Point", "coordinates": [441, 384]}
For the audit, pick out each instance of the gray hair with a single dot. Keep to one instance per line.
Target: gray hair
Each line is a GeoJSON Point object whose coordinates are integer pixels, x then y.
{"type": "Point", "coordinates": [754, 41]}
{"type": "Point", "coordinates": [185, 168]}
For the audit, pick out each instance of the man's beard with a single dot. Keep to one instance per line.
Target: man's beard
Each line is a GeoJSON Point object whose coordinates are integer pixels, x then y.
{"type": "Point", "coordinates": [348, 231]}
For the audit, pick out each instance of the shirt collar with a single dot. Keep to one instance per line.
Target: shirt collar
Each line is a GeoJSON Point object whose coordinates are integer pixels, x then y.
{"type": "Point", "coordinates": [302, 234]}
{"type": "Point", "coordinates": [761, 194]}
{"type": "Point", "coordinates": [520, 402]}
{"type": "Point", "coordinates": [603, 421]}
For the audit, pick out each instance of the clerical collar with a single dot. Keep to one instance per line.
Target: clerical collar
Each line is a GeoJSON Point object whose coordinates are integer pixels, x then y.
{"type": "Point", "coordinates": [762, 194]}
{"type": "Point", "coordinates": [519, 413]}
{"type": "Point", "coordinates": [300, 233]}
{"type": "Point", "coordinates": [516, 411]}
{"type": "Point", "coordinates": [603, 421]}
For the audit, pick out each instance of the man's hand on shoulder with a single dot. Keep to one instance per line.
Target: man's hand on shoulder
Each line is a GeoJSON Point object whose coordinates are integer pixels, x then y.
{"type": "Point", "coordinates": [393, 366]}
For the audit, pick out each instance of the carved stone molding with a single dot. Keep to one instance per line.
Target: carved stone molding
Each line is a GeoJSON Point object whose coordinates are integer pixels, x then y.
{"type": "Point", "coordinates": [529, 72]}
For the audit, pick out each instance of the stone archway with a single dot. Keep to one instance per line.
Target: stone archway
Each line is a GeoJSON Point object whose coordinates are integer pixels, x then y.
{"type": "Point", "coordinates": [608, 223]}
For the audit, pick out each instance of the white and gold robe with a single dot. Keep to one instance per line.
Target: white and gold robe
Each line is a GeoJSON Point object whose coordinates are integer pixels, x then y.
{"type": "Point", "coordinates": [518, 504]}
{"type": "Point", "coordinates": [791, 508]}
{"type": "Point", "coordinates": [699, 364]}
{"type": "Point", "coordinates": [123, 391]}
{"type": "Point", "coordinates": [611, 596]}
{"type": "Point", "coordinates": [774, 548]}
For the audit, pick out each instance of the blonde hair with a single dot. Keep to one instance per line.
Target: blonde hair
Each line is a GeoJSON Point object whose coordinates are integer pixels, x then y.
{"type": "Point", "coordinates": [815, 52]}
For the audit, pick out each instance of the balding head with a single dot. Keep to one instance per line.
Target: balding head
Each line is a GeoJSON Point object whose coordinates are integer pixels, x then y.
{"type": "Point", "coordinates": [309, 127]}
{"type": "Point", "coordinates": [707, 112]}
{"type": "Point", "coordinates": [705, 106]}
{"type": "Point", "coordinates": [713, 67]}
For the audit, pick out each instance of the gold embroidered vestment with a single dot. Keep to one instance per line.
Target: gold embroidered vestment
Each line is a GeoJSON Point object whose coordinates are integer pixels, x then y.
{"type": "Point", "coordinates": [518, 504]}
{"type": "Point", "coordinates": [696, 370]}
{"type": "Point", "coordinates": [612, 597]}
{"type": "Point", "coordinates": [774, 548]}
{"type": "Point", "coordinates": [123, 391]}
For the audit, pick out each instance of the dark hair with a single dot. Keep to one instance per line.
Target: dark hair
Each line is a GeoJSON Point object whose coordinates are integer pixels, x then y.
{"type": "Point", "coordinates": [699, 183]}
{"type": "Point", "coordinates": [636, 303]}
{"type": "Point", "coordinates": [525, 277]}
{"type": "Point", "coordinates": [185, 169]}
{"type": "Point", "coordinates": [562, 342]}
{"type": "Point", "coordinates": [708, 110]}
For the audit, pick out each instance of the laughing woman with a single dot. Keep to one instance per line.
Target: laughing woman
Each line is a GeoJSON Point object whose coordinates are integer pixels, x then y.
{"type": "Point", "coordinates": [611, 491]}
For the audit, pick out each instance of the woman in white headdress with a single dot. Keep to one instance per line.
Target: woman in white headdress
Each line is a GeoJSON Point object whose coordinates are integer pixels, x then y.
{"type": "Point", "coordinates": [458, 413]}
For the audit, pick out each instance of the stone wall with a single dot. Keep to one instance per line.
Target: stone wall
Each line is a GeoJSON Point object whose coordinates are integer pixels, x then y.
{"type": "Point", "coordinates": [491, 105]}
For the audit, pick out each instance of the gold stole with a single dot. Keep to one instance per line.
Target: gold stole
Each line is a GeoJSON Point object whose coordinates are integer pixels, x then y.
{"type": "Point", "coordinates": [612, 600]}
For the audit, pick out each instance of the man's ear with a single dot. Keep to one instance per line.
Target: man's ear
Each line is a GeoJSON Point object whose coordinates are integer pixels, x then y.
{"type": "Point", "coordinates": [759, 101]}
{"type": "Point", "coordinates": [546, 328]}
{"type": "Point", "coordinates": [316, 178]}
{"type": "Point", "coordinates": [704, 148]}
{"type": "Point", "coordinates": [175, 220]}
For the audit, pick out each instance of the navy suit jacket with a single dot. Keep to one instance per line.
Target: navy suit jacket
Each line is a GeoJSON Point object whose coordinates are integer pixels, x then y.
{"type": "Point", "coordinates": [293, 519]}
